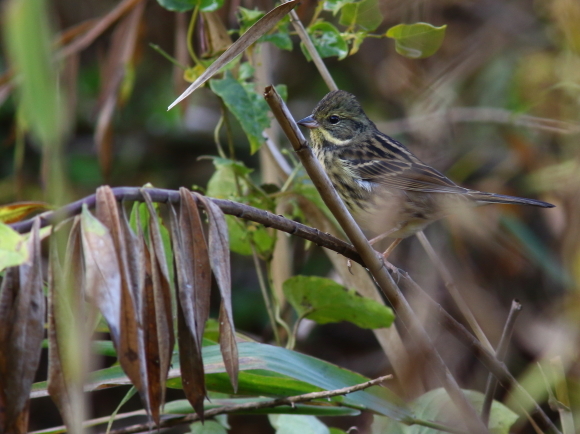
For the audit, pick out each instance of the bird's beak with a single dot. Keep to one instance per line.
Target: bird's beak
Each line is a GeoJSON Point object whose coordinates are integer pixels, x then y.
{"type": "Point", "coordinates": [308, 122]}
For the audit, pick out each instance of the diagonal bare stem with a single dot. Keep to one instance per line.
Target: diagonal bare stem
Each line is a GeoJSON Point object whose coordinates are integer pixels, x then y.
{"type": "Point", "coordinates": [372, 259]}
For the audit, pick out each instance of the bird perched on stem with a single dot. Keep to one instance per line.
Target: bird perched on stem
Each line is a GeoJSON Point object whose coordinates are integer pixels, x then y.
{"type": "Point", "coordinates": [387, 189]}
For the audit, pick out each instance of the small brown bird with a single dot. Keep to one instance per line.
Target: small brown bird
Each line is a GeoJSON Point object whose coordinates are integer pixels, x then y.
{"type": "Point", "coordinates": [389, 191]}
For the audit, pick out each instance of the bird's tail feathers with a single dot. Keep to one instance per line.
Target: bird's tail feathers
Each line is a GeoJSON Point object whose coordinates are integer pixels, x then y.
{"type": "Point", "coordinates": [500, 198]}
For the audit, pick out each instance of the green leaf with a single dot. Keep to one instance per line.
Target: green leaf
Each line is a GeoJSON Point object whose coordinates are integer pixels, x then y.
{"type": "Point", "coordinates": [366, 14]}
{"type": "Point", "coordinates": [249, 108]}
{"type": "Point", "coordinates": [13, 249]}
{"type": "Point", "coordinates": [323, 300]}
{"type": "Point", "coordinates": [418, 40]}
{"type": "Point", "coordinates": [187, 5]}
{"type": "Point", "coordinates": [327, 40]}
{"type": "Point", "coordinates": [280, 39]}
{"type": "Point", "coordinates": [297, 424]}
{"type": "Point", "coordinates": [222, 185]}
{"type": "Point", "coordinates": [248, 17]}
{"type": "Point", "coordinates": [335, 6]}
{"type": "Point", "coordinates": [208, 427]}
{"type": "Point", "coordinates": [357, 40]}
{"type": "Point", "coordinates": [317, 374]}
{"type": "Point", "coordinates": [27, 37]}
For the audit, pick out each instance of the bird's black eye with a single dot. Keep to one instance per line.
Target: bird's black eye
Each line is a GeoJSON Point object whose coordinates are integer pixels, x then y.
{"type": "Point", "coordinates": [333, 119]}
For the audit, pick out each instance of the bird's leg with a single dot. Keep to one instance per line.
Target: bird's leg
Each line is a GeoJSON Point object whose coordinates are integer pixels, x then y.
{"type": "Point", "coordinates": [378, 238]}
{"type": "Point", "coordinates": [390, 249]}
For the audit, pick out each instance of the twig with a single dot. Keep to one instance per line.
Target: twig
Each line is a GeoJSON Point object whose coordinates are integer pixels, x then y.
{"type": "Point", "coordinates": [371, 257]}
{"type": "Point", "coordinates": [515, 309]}
{"type": "Point", "coordinates": [452, 288]}
{"type": "Point", "coordinates": [502, 347]}
{"type": "Point", "coordinates": [319, 238]}
{"type": "Point", "coordinates": [496, 367]}
{"type": "Point", "coordinates": [291, 400]}
{"type": "Point", "coordinates": [305, 38]}
{"type": "Point", "coordinates": [236, 209]}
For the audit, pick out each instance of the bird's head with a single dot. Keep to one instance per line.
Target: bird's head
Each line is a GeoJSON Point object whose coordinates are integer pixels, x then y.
{"type": "Point", "coordinates": [338, 118]}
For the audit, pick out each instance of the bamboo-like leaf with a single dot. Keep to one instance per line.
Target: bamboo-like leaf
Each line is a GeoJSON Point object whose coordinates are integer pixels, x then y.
{"type": "Point", "coordinates": [103, 276]}
{"type": "Point", "coordinates": [131, 351]}
{"type": "Point", "coordinates": [22, 310]}
{"type": "Point", "coordinates": [152, 356]}
{"type": "Point", "coordinates": [159, 305]}
{"type": "Point", "coordinates": [66, 354]}
{"type": "Point", "coordinates": [15, 212]}
{"type": "Point", "coordinates": [189, 347]}
{"type": "Point", "coordinates": [191, 362]}
{"type": "Point", "coordinates": [219, 256]}
{"type": "Point", "coordinates": [262, 26]}
{"type": "Point", "coordinates": [194, 237]}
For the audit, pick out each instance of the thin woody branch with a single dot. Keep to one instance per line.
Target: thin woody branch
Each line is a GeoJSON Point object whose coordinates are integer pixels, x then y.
{"type": "Point", "coordinates": [489, 360]}
{"type": "Point", "coordinates": [372, 258]}
{"type": "Point", "coordinates": [236, 209]}
{"type": "Point", "coordinates": [278, 402]}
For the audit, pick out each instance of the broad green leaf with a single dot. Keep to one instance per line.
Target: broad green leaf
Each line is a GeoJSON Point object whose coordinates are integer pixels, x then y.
{"type": "Point", "coordinates": [297, 424]}
{"type": "Point", "coordinates": [280, 39]}
{"type": "Point", "coordinates": [248, 17]}
{"type": "Point", "coordinates": [327, 40]}
{"type": "Point", "coordinates": [208, 427]}
{"type": "Point", "coordinates": [335, 6]}
{"type": "Point", "coordinates": [249, 108]}
{"type": "Point", "coordinates": [366, 14]}
{"type": "Point", "coordinates": [323, 300]}
{"type": "Point", "coordinates": [336, 430]}
{"type": "Point", "coordinates": [182, 406]}
{"type": "Point", "coordinates": [223, 185]}
{"type": "Point", "coordinates": [13, 249]}
{"type": "Point", "coordinates": [262, 357]}
{"type": "Point", "coordinates": [187, 5]}
{"type": "Point", "coordinates": [418, 40]}
{"type": "Point", "coordinates": [436, 405]}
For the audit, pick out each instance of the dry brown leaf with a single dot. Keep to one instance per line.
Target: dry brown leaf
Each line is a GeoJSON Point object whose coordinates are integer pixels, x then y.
{"type": "Point", "coordinates": [219, 256]}
{"type": "Point", "coordinates": [159, 302]}
{"type": "Point", "coordinates": [131, 351]}
{"type": "Point", "coordinates": [123, 45]}
{"type": "Point", "coordinates": [191, 364]}
{"type": "Point", "coordinates": [190, 356]}
{"type": "Point", "coordinates": [262, 26]}
{"type": "Point", "coordinates": [22, 310]}
{"type": "Point", "coordinates": [201, 264]}
{"type": "Point", "coordinates": [216, 36]}
{"type": "Point", "coordinates": [97, 27]}
{"type": "Point", "coordinates": [102, 271]}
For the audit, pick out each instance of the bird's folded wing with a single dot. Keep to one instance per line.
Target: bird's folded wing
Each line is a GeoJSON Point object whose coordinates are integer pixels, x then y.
{"type": "Point", "coordinates": [395, 167]}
